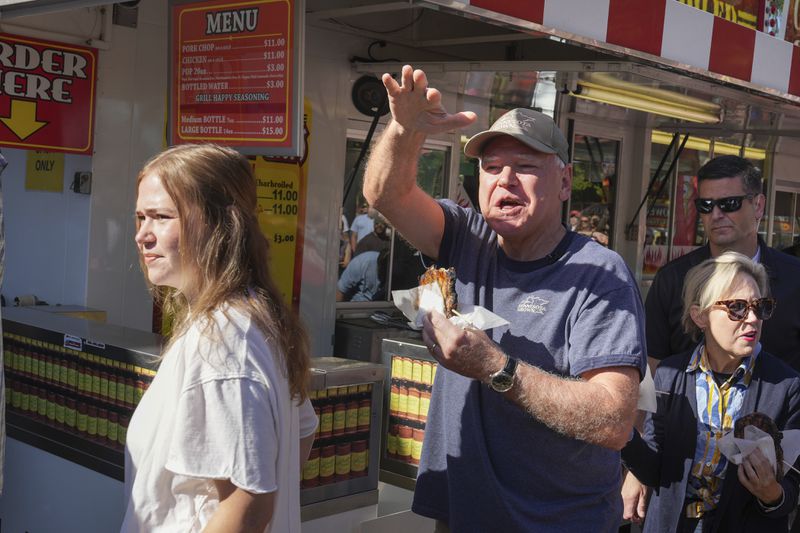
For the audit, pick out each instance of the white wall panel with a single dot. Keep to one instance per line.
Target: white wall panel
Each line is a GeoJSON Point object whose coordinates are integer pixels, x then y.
{"type": "Point", "coordinates": [131, 105]}
{"type": "Point", "coordinates": [327, 87]}
{"type": "Point", "coordinates": [46, 247]}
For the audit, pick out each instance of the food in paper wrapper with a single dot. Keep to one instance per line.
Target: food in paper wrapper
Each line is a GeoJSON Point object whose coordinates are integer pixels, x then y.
{"type": "Point", "coordinates": [768, 426]}
{"type": "Point", "coordinates": [444, 281]}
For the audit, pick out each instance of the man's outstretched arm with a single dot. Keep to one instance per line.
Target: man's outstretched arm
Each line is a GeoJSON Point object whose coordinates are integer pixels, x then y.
{"type": "Point", "coordinates": [390, 179]}
{"type": "Point", "coordinates": [599, 407]}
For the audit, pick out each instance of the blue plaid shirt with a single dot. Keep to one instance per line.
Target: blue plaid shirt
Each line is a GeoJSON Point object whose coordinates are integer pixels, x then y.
{"type": "Point", "coordinates": [718, 407]}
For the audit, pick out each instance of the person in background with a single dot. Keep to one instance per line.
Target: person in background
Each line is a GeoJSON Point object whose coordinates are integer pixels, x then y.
{"type": "Point", "coordinates": [364, 279]}
{"type": "Point", "coordinates": [702, 393]}
{"type": "Point", "coordinates": [345, 252]}
{"type": "Point", "coordinates": [794, 249]}
{"type": "Point", "coordinates": [361, 226]}
{"type": "Point", "coordinates": [218, 439]}
{"type": "Point", "coordinates": [525, 426]}
{"type": "Point", "coordinates": [378, 238]}
{"type": "Point", "coordinates": [731, 204]}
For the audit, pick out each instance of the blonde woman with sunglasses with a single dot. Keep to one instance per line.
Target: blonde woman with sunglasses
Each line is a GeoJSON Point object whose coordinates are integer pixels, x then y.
{"type": "Point", "coordinates": [701, 394]}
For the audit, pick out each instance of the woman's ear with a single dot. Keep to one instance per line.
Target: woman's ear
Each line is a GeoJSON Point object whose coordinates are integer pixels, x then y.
{"type": "Point", "coordinates": [699, 317]}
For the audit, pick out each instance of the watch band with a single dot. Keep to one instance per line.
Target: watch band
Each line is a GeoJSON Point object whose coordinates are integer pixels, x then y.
{"type": "Point", "coordinates": [503, 380]}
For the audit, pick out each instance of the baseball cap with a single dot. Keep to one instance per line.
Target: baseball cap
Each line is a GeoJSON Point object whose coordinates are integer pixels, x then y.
{"type": "Point", "coordinates": [529, 127]}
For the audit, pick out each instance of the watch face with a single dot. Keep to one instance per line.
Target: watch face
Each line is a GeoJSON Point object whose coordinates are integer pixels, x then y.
{"type": "Point", "coordinates": [502, 382]}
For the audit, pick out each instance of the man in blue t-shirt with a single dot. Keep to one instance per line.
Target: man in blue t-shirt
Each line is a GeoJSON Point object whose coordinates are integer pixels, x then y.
{"type": "Point", "coordinates": [526, 423]}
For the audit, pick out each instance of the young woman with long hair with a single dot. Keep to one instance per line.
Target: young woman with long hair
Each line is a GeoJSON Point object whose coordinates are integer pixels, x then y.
{"type": "Point", "coordinates": [217, 441]}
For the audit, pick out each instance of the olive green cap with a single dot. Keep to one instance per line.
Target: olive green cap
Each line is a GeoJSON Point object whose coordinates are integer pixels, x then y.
{"type": "Point", "coordinates": [529, 127]}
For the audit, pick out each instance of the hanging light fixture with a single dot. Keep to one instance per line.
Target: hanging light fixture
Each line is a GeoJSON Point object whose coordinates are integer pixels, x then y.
{"type": "Point", "coordinates": [606, 89]}
{"type": "Point", "coordinates": [704, 145]}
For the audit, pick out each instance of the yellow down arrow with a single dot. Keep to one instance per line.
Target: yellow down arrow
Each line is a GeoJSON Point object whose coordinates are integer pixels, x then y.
{"type": "Point", "coordinates": [22, 121]}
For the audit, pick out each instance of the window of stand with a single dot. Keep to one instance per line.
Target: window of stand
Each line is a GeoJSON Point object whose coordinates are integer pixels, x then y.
{"type": "Point", "coordinates": [786, 221]}
{"type": "Point", "coordinates": [373, 259]}
{"type": "Point", "coordinates": [594, 184]}
{"type": "Point", "coordinates": [673, 226]}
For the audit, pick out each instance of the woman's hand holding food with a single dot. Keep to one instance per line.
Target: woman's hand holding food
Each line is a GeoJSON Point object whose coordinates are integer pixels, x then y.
{"type": "Point", "coordinates": [758, 476]}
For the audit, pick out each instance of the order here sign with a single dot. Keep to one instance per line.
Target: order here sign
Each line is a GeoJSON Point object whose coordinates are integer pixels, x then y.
{"type": "Point", "coordinates": [47, 92]}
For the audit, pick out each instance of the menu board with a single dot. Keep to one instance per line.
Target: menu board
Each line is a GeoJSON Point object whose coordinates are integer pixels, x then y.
{"type": "Point", "coordinates": [234, 75]}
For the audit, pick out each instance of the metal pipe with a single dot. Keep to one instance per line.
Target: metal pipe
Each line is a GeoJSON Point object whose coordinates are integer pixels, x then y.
{"type": "Point", "coordinates": [102, 43]}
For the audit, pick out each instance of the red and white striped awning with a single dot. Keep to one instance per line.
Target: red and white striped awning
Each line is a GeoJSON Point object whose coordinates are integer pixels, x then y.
{"type": "Point", "coordinates": [666, 32]}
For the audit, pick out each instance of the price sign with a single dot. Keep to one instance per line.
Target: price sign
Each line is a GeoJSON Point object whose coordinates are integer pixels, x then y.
{"type": "Point", "coordinates": [278, 186]}
{"type": "Point", "coordinates": [235, 76]}
{"type": "Point", "coordinates": [281, 190]}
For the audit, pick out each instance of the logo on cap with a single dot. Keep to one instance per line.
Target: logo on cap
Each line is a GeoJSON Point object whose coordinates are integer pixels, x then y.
{"type": "Point", "coordinates": [509, 120]}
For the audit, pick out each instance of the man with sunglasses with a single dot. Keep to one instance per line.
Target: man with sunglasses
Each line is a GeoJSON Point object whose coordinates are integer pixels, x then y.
{"type": "Point", "coordinates": [730, 204]}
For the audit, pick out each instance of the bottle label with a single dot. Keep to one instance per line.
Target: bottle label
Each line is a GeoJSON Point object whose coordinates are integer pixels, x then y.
{"type": "Point", "coordinates": [391, 444]}
{"type": "Point", "coordinates": [311, 469]}
{"type": "Point", "coordinates": [113, 431]}
{"type": "Point", "coordinates": [343, 464]}
{"type": "Point", "coordinates": [417, 371]}
{"type": "Point", "coordinates": [69, 417]}
{"type": "Point", "coordinates": [82, 422]}
{"type": "Point", "coordinates": [327, 466]}
{"type": "Point", "coordinates": [413, 405]}
{"type": "Point", "coordinates": [416, 449]}
{"type": "Point", "coordinates": [339, 418]}
{"type": "Point", "coordinates": [326, 422]}
{"type": "Point", "coordinates": [404, 446]}
{"type": "Point", "coordinates": [351, 422]}
{"type": "Point", "coordinates": [364, 415]}
{"type": "Point", "coordinates": [424, 405]}
{"type": "Point", "coordinates": [358, 461]}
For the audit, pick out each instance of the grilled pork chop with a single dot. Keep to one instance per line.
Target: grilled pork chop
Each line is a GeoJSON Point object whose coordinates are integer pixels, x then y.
{"type": "Point", "coordinates": [445, 279]}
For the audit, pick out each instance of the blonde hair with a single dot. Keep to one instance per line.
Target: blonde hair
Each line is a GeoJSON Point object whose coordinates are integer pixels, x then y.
{"type": "Point", "coordinates": [224, 251]}
{"type": "Point", "coordinates": [707, 282]}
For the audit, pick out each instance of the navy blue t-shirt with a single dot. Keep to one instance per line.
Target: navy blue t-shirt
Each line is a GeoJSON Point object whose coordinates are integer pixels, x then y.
{"type": "Point", "coordinates": [486, 464]}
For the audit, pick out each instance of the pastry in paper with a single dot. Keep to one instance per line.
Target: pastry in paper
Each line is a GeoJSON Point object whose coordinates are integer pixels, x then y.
{"type": "Point", "coordinates": [768, 426]}
{"type": "Point", "coordinates": [438, 290]}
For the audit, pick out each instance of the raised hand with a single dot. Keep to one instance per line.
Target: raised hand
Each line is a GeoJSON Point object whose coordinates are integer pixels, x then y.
{"type": "Point", "coordinates": [417, 108]}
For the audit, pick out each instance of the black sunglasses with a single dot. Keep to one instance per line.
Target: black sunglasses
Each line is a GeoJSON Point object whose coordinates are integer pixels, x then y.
{"type": "Point", "coordinates": [738, 309]}
{"type": "Point", "coordinates": [728, 204]}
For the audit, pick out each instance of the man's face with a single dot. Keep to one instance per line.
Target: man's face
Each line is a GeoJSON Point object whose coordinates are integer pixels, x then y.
{"type": "Point", "coordinates": [380, 229]}
{"type": "Point", "coordinates": [521, 189]}
{"type": "Point", "coordinates": [737, 228]}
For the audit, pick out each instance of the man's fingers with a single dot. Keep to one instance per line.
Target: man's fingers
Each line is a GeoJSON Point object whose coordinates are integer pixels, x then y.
{"type": "Point", "coordinates": [392, 87]}
{"type": "Point", "coordinates": [641, 509]}
{"type": "Point", "coordinates": [420, 80]}
{"type": "Point", "coordinates": [434, 96]}
{"type": "Point", "coordinates": [627, 511]}
{"type": "Point", "coordinates": [437, 319]}
{"type": "Point", "coordinates": [462, 119]}
{"type": "Point", "coordinates": [406, 81]}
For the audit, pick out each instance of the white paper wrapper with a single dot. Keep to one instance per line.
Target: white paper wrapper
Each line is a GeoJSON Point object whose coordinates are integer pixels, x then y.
{"type": "Point", "coordinates": [431, 300]}
{"type": "Point", "coordinates": [647, 393]}
{"type": "Point", "coordinates": [736, 450]}
{"type": "Point", "coordinates": [791, 445]}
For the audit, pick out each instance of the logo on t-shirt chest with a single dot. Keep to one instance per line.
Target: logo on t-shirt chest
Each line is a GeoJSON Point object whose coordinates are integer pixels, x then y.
{"type": "Point", "coordinates": [533, 304]}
